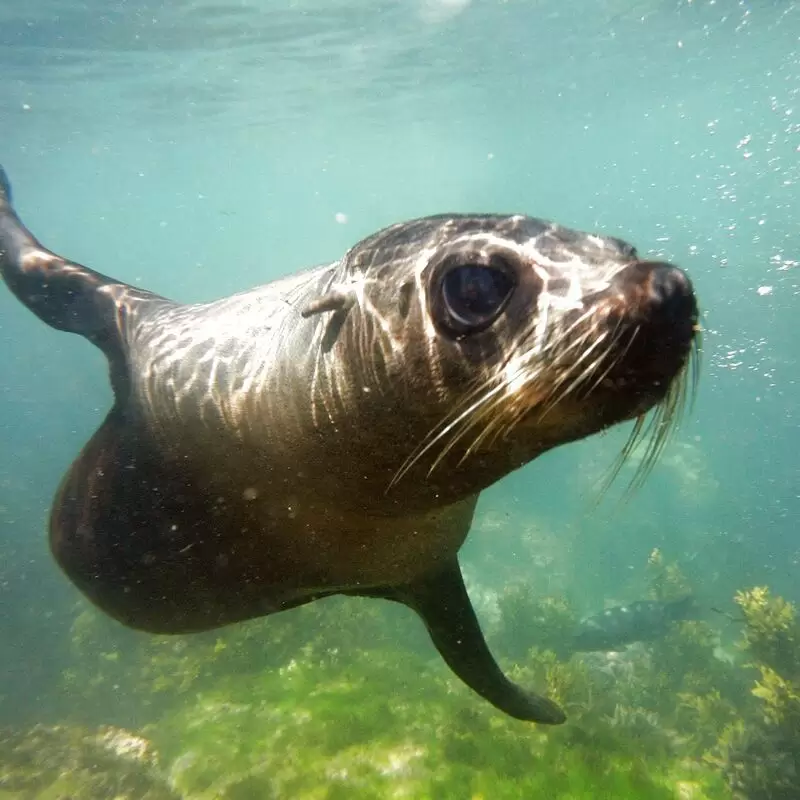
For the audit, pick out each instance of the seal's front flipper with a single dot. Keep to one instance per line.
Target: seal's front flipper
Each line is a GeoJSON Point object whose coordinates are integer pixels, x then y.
{"type": "Point", "coordinates": [67, 296]}
{"type": "Point", "coordinates": [442, 601]}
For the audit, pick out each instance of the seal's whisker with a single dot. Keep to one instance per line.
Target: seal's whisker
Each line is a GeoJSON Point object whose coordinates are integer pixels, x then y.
{"type": "Point", "coordinates": [656, 433]}
{"type": "Point", "coordinates": [506, 426]}
{"type": "Point", "coordinates": [497, 425]}
{"type": "Point", "coordinates": [494, 405]}
{"type": "Point", "coordinates": [555, 341]}
{"type": "Point", "coordinates": [499, 400]}
{"type": "Point", "coordinates": [504, 423]}
{"type": "Point", "coordinates": [604, 374]}
{"type": "Point", "coordinates": [489, 432]}
{"type": "Point", "coordinates": [695, 358]}
{"type": "Point", "coordinates": [592, 369]}
{"type": "Point", "coordinates": [557, 393]}
{"type": "Point", "coordinates": [658, 429]}
{"type": "Point", "coordinates": [620, 356]}
{"type": "Point", "coordinates": [622, 457]}
{"type": "Point", "coordinates": [577, 344]}
{"type": "Point", "coordinates": [479, 402]}
{"type": "Point", "coordinates": [576, 380]}
{"type": "Point", "coordinates": [502, 419]}
{"type": "Point", "coordinates": [614, 337]}
{"type": "Point", "coordinates": [637, 434]}
{"type": "Point", "coordinates": [438, 432]}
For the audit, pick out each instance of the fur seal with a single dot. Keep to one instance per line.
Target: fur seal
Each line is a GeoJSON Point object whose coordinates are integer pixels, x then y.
{"type": "Point", "coordinates": [329, 432]}
{"type": "Point", "coordinates": [641, 621]}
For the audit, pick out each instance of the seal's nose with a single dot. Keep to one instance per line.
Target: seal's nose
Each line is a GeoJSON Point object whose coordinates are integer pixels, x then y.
{"type": "Point", "coordinates": [671, 294]}
{"type": "Point", "coordinates": [660, 311]}
{"type": "Point", "coordinates": [659, 294]}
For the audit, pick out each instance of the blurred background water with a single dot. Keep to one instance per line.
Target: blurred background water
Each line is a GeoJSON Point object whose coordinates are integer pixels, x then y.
{"type": "Point", "coordinates": [199, 148]}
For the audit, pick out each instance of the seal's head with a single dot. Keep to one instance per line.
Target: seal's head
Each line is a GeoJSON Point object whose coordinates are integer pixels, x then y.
{"type": "Point", "coordinates": [507, 336]}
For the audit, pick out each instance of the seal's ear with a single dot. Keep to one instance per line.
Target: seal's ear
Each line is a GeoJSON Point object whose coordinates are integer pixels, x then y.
{"type": "Point", "coordinates": [332, 301]}
{"type": "Point", "coordinates": [337, 302]}
{"type": "Point", "coordinates": [441, 599]}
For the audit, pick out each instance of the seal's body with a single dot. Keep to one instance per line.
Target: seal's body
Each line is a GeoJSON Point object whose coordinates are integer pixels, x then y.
{"type": "Point", "coordinates": [330, 432]}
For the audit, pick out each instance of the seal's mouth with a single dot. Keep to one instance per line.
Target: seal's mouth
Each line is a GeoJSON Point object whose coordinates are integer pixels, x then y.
{"type": "Point", "coordinates": [629, 348]}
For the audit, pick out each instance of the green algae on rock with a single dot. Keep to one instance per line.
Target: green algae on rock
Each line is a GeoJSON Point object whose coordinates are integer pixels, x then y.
{"type": "Point", "coordinates": [67, 763]}
{"type": "Point", "coordinates": [344, 699]}
{"type": "Point", "coordinates": [340, 729]}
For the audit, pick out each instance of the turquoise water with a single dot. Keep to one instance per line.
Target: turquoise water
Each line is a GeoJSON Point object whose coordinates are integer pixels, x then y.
{"type": "Point", "coordinates": [199, 149]}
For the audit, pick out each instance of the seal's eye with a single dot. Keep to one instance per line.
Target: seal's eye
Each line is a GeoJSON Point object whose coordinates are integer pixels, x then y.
{"type": "Point", "coordinates": [475, 294]}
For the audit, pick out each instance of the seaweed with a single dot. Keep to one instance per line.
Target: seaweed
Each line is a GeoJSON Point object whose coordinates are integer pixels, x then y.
{"type": "Point", "coordinates": [760, 755]}
{"type": "Point", "coordinates": [528, 619]}
{"type": "Point", "coordinates": [311, 733]}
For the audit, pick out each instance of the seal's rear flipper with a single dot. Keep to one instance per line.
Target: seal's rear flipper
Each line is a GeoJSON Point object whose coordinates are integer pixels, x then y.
{"type": "Point", "coordinates": [442, 601]}
{"type": "Point", "coordinates": [67, 296]}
